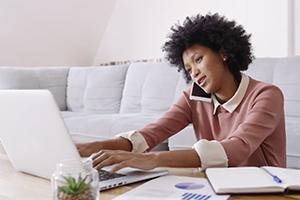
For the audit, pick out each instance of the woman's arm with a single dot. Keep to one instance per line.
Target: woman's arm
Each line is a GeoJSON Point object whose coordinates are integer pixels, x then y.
{"type": "Point", "coordinates": [86, 149]}
{"type": "Point", "coordinates": [146, 161]}
{"type": "Point", "coordinates": [175, 119]}
{"type": "Point", "coordinates": [170, 123]}
{"type": "Point", "coordinates": [178, 158]}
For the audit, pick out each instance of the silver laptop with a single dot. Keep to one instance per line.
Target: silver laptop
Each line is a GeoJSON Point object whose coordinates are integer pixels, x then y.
{"type": "Point", "coordinates": [35, 138]}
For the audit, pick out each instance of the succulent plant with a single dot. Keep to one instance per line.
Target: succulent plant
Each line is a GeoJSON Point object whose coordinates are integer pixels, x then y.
{"type": "Point", "coordinates": [75, 189]}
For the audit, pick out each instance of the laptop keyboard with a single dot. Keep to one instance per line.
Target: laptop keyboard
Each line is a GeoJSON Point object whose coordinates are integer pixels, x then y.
{"type": "Point", "coordinates": [105, 175]}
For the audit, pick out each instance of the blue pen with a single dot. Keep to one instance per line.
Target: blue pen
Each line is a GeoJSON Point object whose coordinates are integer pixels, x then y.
{"type": "Point", "coordinates": [275, 178]}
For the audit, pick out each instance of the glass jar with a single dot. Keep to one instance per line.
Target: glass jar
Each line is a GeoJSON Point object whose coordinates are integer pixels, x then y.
{"type": "Point", "coordinates": [73, 181]}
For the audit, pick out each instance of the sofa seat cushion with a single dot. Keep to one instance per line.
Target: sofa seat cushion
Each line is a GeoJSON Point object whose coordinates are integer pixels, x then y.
{"type": "Point", "coordinates": [70, 114]}
{"type": "Point", "coordinates": [184, 139]}
{"type": "Point", "coordinates": [103, 126]}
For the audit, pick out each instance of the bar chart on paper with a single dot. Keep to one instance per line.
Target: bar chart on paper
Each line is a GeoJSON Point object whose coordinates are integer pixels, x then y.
{"type": "Point", "coordinates": [195, 196]}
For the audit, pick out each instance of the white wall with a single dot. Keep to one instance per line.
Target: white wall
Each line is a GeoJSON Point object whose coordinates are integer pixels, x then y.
{"type": "Point", "coordinates": [137, 28]}
{"type": "Point", "coordinates": [56, 32]}
{"type": "Point", "coordinates": [76, 32]}
{"type": "Point", "coordinates": [297, 27]}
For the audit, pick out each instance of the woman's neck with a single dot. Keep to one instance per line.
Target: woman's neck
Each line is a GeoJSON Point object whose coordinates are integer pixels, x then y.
{"type": "Point", "coordinates": [228, 89]}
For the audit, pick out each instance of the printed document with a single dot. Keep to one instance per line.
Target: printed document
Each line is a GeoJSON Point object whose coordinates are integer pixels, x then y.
{"type": "Point", "coordinates": [171, 187]}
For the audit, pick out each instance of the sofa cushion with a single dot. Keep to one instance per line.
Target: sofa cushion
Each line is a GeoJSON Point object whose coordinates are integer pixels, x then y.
{"type": "Point", "coordinates": [132, 93]}
{"type": "Point", "coordinates": [55, 80]}
{"type": "Point", "coordinates": [104, 89]}
{"type": "Point", "coordinates": [18, 78]}
{"type": "Point", "coordinates": [293, 136]}
{"type": "Point", "coordinates": [104, 126]}
{"type": "Point", "coordinates": [262, 69]}
{"type": "Point", "coordinates": [286, 76]}
{"type": "Point", "coordinates": [140, 91]}
{"type": "Point", "coordinates": [52, 78]}
{"type": "Point", "coordinates": [76, 86]}
{"type": "Point", "coordinates": [181, 86]}
{"type": "Point", "coordinates": [159, 88]}
{"type": "Point", "coordinates": [184, 139]}
{"type": "Point", "coordinates": [71, 114]}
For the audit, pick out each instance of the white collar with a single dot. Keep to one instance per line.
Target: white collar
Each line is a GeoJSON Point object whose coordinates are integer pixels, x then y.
{"type": "Point", "coordinates": [234, 101]}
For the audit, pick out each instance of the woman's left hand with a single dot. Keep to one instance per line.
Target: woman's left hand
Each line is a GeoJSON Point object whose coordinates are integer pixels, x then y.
{"type": "Point", "coordinates": [120, 159]}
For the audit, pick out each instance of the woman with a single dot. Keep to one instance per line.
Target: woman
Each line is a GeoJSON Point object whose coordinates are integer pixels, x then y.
{"type": "Point", "coordinates": [243, 125]}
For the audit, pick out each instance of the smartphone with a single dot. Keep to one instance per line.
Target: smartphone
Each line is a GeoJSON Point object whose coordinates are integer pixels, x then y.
{"type": "Point", "coordinates": [197, 93]}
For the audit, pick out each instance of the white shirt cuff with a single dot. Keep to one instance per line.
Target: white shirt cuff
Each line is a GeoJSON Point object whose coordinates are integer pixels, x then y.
{"type": "Point", "coordinates": [138, 142]}
{"type": "Point", "coordinates": [211, 154]}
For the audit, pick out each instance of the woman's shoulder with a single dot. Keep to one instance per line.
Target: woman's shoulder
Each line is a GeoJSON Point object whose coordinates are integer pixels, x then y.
{"type": "Point", "coordinates": [264, 96]}
{"type": "Point", "coordinates": [263, 88]}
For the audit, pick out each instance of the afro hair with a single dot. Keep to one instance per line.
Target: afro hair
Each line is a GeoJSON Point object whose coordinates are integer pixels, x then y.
{"type": "Point", "coordinates": [215, 32]}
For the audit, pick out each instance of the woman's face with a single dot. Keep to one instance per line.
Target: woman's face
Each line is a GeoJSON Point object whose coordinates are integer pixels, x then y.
{"type": "Point", "coordinates": [206, 68]}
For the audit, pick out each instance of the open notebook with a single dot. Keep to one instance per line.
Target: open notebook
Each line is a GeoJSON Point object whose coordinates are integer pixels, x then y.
{"type": "Point", "coordinates": [236, 180]}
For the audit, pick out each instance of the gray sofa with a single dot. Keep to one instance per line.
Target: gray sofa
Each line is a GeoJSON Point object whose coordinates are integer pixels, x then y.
{"type": "Point", "coordinates": [99, 102]}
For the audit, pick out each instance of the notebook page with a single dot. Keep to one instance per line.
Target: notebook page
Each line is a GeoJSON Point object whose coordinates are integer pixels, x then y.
{"type": "Point", "coordinates": [242, 180]}
{"type": "Point", "coordinates": [290, 177]}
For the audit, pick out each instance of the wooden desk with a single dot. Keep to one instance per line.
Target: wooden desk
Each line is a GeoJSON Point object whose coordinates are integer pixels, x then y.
{"type": "Point", "coordinates": [16, 185]}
